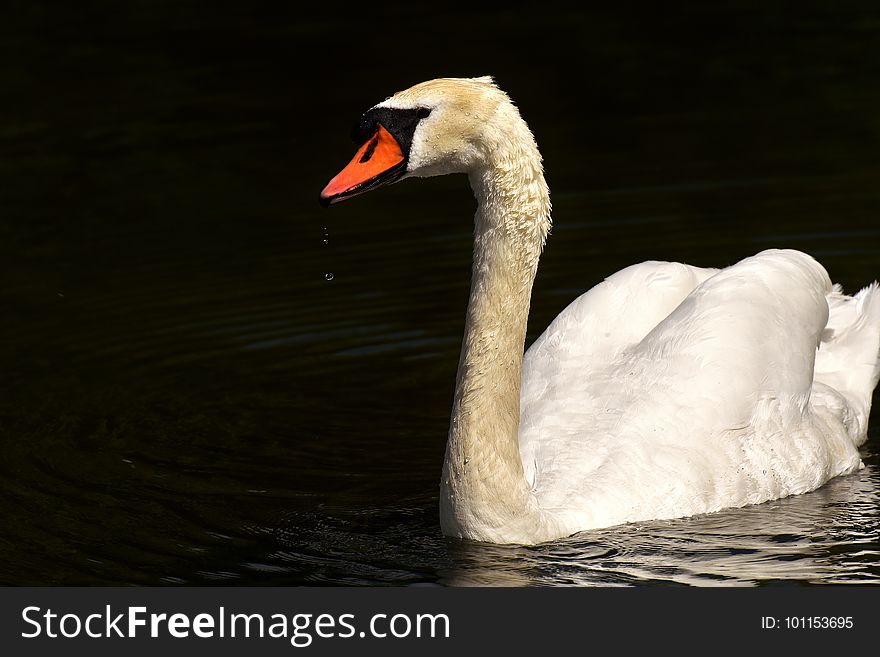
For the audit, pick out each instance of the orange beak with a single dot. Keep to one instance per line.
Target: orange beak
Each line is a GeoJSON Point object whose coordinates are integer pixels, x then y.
{"type": "Point", "coordinates": [378, 162]}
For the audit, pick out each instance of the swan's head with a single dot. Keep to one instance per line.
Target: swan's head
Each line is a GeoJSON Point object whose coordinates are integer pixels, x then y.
{"type": "Point", "coordinates": [434, 128]}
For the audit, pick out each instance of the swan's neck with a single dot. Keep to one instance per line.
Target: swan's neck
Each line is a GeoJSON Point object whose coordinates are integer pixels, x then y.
{"type": "Point", "coordinates": [484, 494]}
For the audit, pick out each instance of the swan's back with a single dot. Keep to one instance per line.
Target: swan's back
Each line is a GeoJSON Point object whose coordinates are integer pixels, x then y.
{"type": "Point", "coordinates": [670, 390]}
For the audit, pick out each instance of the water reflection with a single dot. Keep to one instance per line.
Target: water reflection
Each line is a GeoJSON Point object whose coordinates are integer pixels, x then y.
{"type": "Point", "coordinates": [830, 535]}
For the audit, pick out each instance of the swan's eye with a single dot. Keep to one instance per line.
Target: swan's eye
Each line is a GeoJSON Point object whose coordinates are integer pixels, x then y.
{"type": "Point", "coordinates": [423, 112]}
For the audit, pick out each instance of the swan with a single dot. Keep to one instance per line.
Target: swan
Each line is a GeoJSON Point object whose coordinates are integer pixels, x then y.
{"type": "Point", "coordinates": [665, 391]}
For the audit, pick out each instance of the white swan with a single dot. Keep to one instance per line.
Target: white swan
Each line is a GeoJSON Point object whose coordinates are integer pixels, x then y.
{"type": "Point", "coordinates": [665, 391]}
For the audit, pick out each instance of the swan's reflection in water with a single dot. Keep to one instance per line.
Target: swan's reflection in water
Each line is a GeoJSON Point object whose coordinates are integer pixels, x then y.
{"type": "Point", "coordinates": [808, 538]}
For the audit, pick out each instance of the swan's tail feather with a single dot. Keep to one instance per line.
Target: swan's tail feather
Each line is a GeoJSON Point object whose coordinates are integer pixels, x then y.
{"type": "Point", "coordinates": [848, 359]}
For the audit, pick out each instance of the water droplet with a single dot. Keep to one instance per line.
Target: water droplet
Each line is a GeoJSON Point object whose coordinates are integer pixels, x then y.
{"type": "Point", "coordinates": [329, 275]}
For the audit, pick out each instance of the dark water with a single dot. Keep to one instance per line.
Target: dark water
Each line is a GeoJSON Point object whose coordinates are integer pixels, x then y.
{"type": "Point", "coordinates": [186, 398]}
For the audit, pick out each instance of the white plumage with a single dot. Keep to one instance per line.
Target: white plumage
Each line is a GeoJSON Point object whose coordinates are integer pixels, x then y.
{"type": "Point", "coordinates": [665, 391]}
{"type": "Point", "coordinates": [686, 390]}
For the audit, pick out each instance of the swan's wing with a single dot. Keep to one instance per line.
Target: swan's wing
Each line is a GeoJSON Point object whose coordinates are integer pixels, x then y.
{"type": "Point", "coordinates": [733, 336]}
{"type": "Point", "coordinates": [612, 316]}
{"type": "Point", "coordinates": [559, 368]}
{"type": "Point", "coordinates": [749, 333]}
{"type": "Point", "coordinates": [711, 407]}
